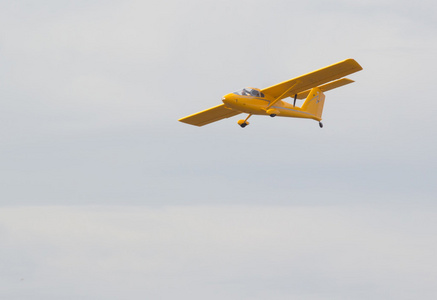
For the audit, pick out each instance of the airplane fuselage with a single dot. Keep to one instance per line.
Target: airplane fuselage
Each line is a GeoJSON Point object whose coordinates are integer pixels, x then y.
{"type": "Point", "coordinates": [260, 106]}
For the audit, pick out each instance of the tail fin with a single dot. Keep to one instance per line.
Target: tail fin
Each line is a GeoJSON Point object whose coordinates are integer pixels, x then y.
{"type": "Point", "coordinates": [314, 103]}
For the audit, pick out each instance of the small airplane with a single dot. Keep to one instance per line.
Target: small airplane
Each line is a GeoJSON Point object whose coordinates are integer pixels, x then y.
{"type": "Point", "coordinates": [269, 101]}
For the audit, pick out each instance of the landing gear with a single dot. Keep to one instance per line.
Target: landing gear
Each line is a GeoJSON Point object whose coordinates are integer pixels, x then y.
{"type": "Point", "coordinates": [272, 112]}
{"type": "Point", "coordinates": [320, 124]}
{"type": "Point", "coordinates": [244, 123]}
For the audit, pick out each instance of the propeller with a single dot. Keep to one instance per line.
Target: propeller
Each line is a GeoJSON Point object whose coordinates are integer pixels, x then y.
{"type": "Point", "coordinates": [295, 97]}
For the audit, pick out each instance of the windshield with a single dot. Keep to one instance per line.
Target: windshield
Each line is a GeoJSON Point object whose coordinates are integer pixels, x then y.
{"type": "Point", "coordinates": [249, 92]}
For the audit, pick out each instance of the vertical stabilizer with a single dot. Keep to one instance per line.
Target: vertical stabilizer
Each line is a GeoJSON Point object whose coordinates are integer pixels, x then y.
{"type": "Point", "coordinates": [314, 103]}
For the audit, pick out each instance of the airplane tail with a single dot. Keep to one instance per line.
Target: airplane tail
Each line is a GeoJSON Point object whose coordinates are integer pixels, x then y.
{"type": "Point", "coordinates": [314, 103]}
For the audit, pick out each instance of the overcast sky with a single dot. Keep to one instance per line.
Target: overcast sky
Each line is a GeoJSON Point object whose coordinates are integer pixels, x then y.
{"type": "Point", "coordinates": [105, 195]}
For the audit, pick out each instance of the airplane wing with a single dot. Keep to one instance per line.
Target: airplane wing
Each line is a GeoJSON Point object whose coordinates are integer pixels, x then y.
{"type": "Point", "coordinates": [326, 87]}
{"type": "Point", "coordinates": [313, 79]}
{"type": "Point", "coordinates": [210, 115]}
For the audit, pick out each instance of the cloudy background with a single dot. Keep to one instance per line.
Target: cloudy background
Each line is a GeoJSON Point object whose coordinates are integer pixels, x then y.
{"type": "Point", "coordinates": [104, 195]}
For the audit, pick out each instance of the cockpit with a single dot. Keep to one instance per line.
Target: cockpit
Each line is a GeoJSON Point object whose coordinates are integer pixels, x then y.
{"type": "Point", "coordinates": [249, 92]}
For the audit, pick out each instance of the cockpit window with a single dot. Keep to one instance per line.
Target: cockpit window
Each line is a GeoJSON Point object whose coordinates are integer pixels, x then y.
{"type": "Point", "coordinates": [249, 92]}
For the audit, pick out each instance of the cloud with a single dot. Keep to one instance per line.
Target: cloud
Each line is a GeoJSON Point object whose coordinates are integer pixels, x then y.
{"type": "Point", "coordinates": [218, 251]}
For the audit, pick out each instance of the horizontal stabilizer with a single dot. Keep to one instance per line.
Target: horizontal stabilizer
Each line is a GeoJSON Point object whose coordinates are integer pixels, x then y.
{"type": "Point", "coordinates": [210, 115]}
{"type": "Point", "coordinates": [326, 87]}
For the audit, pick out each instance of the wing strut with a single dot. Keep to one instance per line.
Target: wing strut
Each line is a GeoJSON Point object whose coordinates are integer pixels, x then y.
{"type": "Point", "coordinates": [295, 97]}
{"type": "Point", "coordinates": [280, 97]}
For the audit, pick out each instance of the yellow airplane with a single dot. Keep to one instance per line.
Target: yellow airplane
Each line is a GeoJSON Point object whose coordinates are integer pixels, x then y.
{"type": "Point", "coordinates": [269, 101]}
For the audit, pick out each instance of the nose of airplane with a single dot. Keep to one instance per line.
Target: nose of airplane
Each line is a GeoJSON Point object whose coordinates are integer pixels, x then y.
{"type": "Point", "coordinates": [225, 100]}
{"type": "Point", "coordinates": [228, 99]}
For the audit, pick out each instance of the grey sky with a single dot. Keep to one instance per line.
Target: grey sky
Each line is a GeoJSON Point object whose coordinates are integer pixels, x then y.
{"type": "Point", "coordinates": [290, 252]}
{"type": "Point", "coordinates": [91, 92]}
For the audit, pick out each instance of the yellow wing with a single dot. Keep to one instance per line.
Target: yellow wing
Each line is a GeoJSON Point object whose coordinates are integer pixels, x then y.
{"type": "Point", "coordinates": [210, 115]}
{"type": "Point", "coordinates": [326, 87]}
{"type": "Point", "coordinates": [313, 79]}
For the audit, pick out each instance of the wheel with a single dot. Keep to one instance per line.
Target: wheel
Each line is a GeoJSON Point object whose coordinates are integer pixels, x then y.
{"type": "Point", "coordinates": [321, 124]}
{"type": "Point", "coordinates": [272, 115]}
{"type": "Point", "coordinates": [243, 123]}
